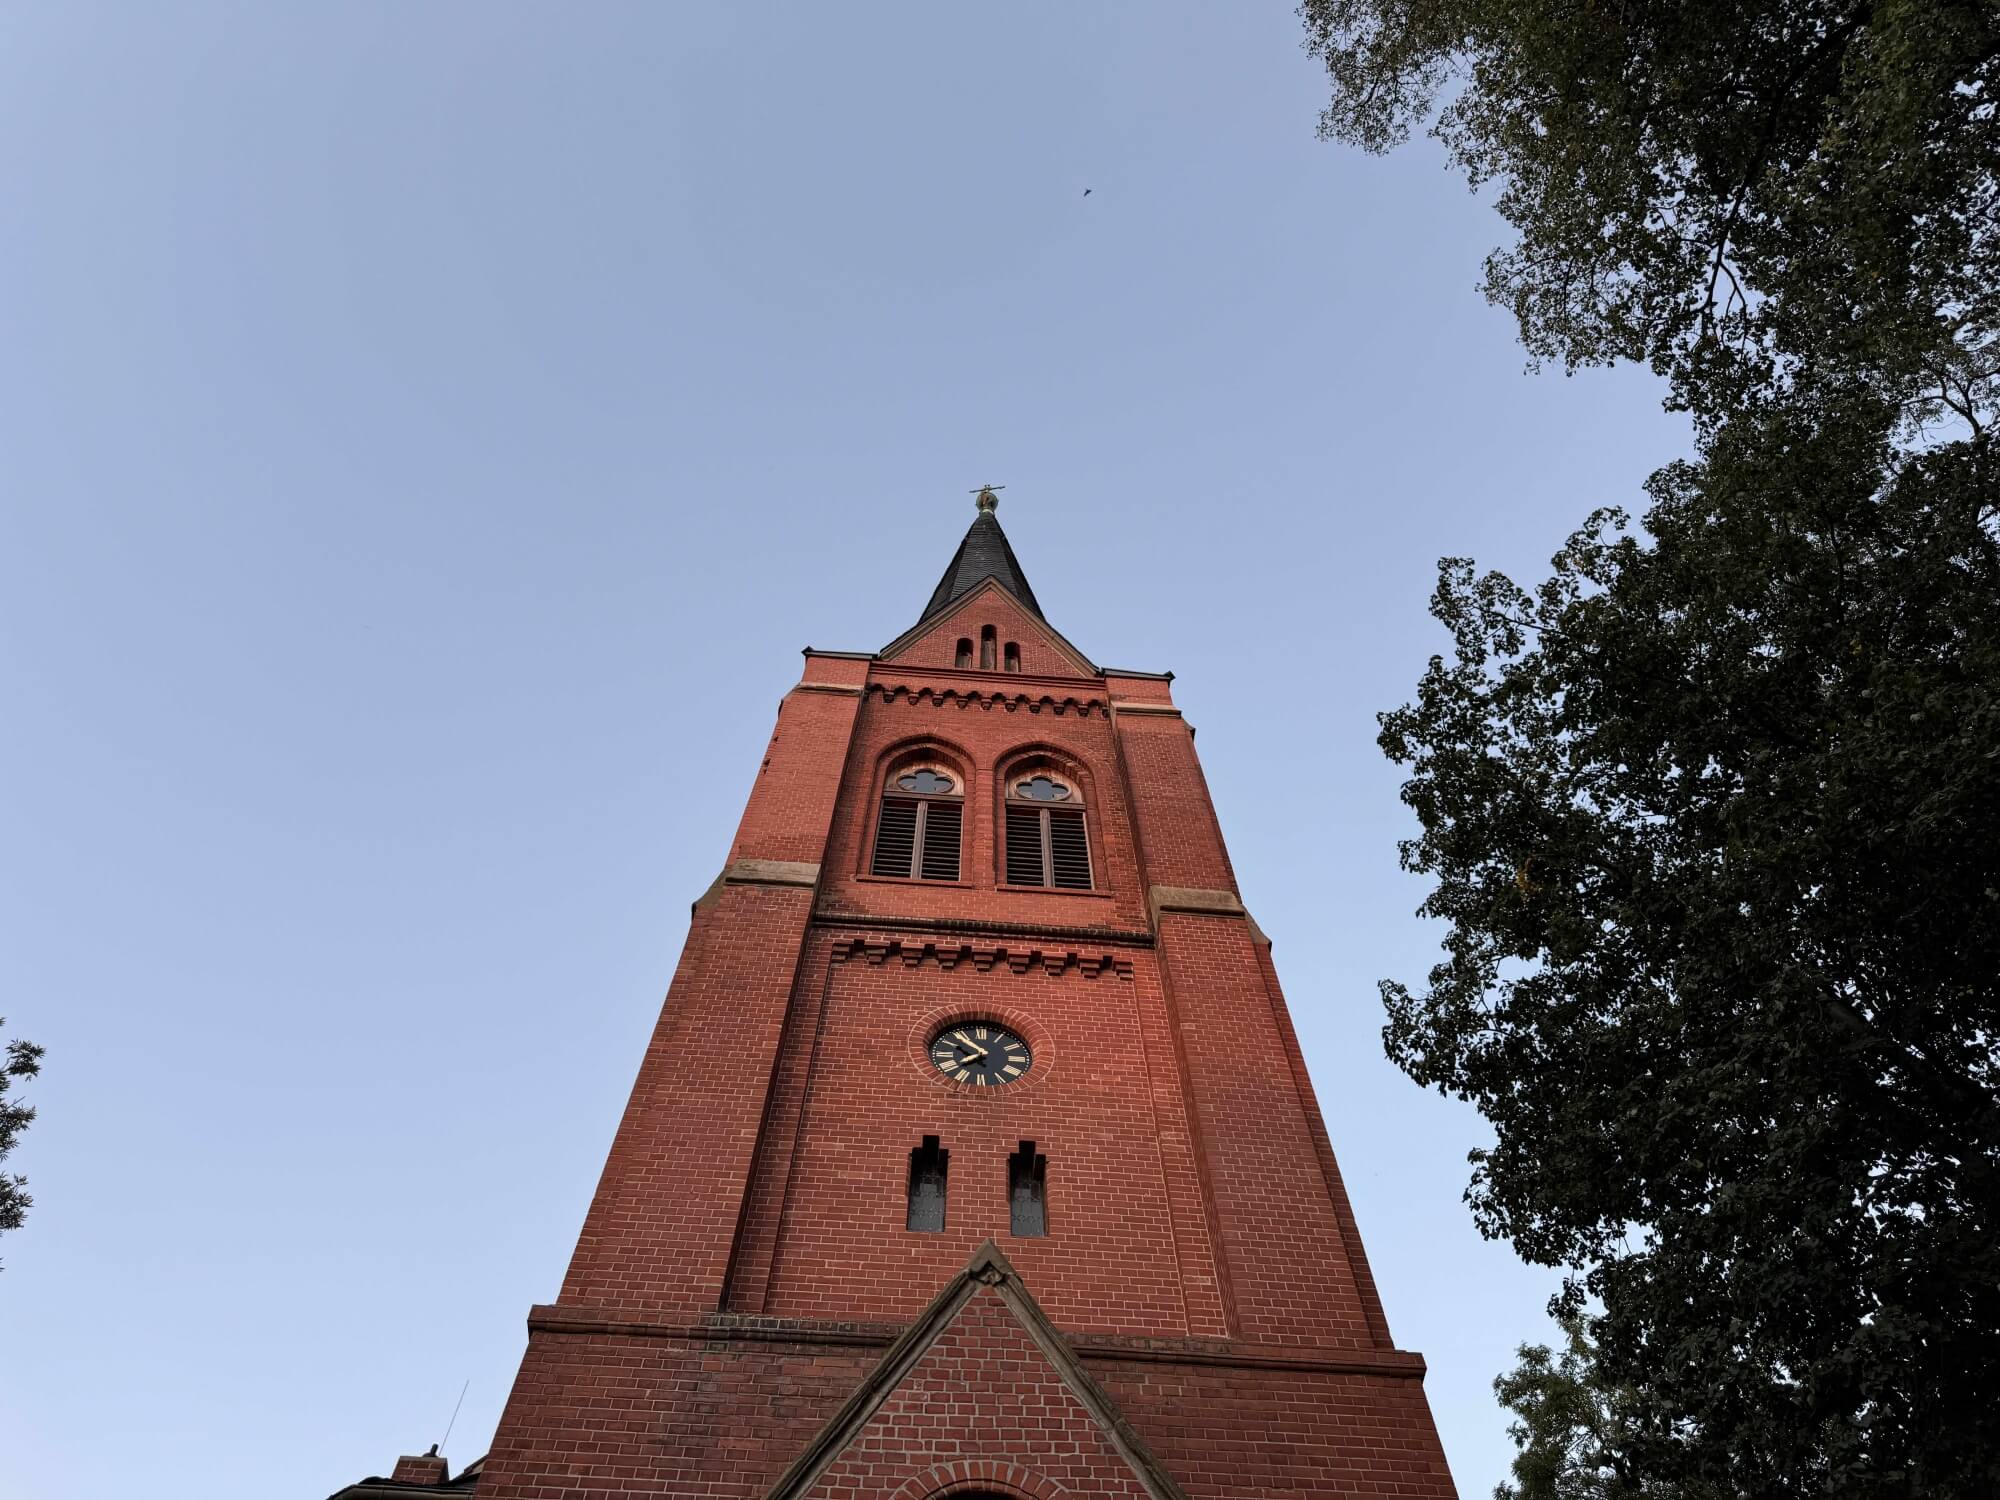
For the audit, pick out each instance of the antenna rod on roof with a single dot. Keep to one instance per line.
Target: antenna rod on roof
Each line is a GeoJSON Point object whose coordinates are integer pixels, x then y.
{"type": "Point", "coordinates": [454, 1414]}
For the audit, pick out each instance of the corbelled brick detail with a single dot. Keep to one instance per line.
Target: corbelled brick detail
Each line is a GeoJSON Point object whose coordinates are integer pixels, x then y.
{"type": "Point", "coordinates": [745, 1260]}
{"type": "Point", "coordinates": [950, 955]}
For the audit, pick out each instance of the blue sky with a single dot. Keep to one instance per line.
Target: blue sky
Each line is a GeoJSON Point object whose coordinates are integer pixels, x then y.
{"type": "Point", "coordinates": [429, 432]}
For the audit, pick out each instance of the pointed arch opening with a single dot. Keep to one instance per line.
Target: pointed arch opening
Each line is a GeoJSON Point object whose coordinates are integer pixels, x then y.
{"type": "Point", "coordinates": [1047, 830]}
{"type": "Point", "coordinates": [920, 819]}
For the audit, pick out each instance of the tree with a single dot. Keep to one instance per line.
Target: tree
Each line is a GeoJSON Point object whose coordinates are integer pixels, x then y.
{"type": "Point", "coordinates": [1714, 822]}
{"type": "Point", "coordinates": [1570, 1425]}
{"type": "Point", "coordinates": [24, 1060]}
{"type": "Point", "coordinates": [1713, 813]}
{"type": "Point", "coordinates": [1743, 194]}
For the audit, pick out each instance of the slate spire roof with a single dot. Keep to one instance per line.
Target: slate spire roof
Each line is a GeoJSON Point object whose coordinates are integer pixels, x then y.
{"type": "Point", "coordinates": [983, 554]}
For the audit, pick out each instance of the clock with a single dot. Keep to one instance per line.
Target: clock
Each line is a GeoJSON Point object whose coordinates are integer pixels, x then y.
{"type": "Point", "coordinates": [979, 1052]}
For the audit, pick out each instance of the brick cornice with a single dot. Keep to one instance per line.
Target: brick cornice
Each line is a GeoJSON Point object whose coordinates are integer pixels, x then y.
{"type": "Point", "coordinates": [1401, 1363]}
{"type": "Point", "coordinates": [566, 1318]}
{"type": "Point", "coordinates": [558, 1318]}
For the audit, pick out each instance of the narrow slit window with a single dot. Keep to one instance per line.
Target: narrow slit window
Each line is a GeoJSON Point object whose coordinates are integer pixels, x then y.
{"type": "Point", "coordinates": [987, 638]}
{"type": "Point", "coordinates": [928, 1165]}
{"type": "Point", "coordinates": [964, 657]}
{"type": "Point", "coordinates": [1046, 845]}
{"type": "Point", "coordinates": [1027, 1193]}
{"type": "Point", "coordinates": [918, 832]}
{"type": "Point", "coordinates": [1012, 656]}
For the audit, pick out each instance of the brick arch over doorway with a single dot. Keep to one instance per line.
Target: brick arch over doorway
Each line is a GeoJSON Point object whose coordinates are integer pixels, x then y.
{"type": "Point", "coordinates": [980, 1479]}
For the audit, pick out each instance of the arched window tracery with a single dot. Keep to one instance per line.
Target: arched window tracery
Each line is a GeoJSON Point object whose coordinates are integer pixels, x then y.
{"type": "Point", "coordinates": [919, 825]}
{"type": "Point", "coordinates": [1048, 839]}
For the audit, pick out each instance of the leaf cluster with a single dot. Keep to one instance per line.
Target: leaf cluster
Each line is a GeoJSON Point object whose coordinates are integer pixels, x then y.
{"type": "Point", "coordinates": [1747, 195]}
{"type": "Point", "coordinates": [1715, 824]}
{"type": "Point", "coordinates": [1713, 813]}
{"type": "Point", "coordinates": [23, 1060]}
{"type": "Point", "coordinates": [1572, 1427]}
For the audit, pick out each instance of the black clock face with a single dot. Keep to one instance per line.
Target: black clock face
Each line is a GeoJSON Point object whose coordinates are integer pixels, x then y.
{"type": "Point", "coordinates": [979, 1052]}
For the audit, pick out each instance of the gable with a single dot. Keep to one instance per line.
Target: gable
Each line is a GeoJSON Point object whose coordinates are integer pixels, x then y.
{"type": "Point", "coordinates": [934, 641]}
{"type": "Point", "coordinates": [981, 1384]}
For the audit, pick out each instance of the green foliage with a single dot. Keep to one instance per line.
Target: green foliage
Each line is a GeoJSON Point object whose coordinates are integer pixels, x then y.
{"type": "Point", "coordinates": [1745, 194]}
{"type": "Point", "coordinates": [1713, 814]}
{"type": "Point", "coordinates": [24, 1060]}
{"type": "Point", "coordinates": [1573, 1428]}
{"type": "Point", "coordinates": [1715, 825]}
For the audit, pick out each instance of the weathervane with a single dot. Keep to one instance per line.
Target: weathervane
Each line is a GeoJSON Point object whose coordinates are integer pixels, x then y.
{"type": "Point", "coordinates": [988, 496]}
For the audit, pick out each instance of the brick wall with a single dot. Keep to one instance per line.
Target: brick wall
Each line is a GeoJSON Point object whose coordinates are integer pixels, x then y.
{"type": "Point", "coordinates": [1042, 652]}
{"type": "Point", "coordinates": [745, 1261]}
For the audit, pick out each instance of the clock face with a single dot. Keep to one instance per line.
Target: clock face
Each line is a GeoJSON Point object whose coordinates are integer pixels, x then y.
{"type": "Point", "coordinates": [980, 1052]}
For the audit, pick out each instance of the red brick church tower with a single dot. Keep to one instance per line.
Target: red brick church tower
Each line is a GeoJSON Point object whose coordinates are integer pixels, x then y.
{"type": "Point", "coordinates": [973, 1153]}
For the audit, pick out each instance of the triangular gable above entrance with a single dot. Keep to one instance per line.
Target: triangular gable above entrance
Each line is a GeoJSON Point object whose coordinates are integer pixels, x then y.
{"type": "Point", "coordinates": [980, 1387]}
{"type": "Point", "coordinates": [933, 642]}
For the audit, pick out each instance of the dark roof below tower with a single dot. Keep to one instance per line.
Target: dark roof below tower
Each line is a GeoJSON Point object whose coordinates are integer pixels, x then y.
{"type": "Point", "coordinates": [983, 554]}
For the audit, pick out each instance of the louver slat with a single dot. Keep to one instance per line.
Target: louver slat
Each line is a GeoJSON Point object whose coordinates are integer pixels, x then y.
{"type": "Point", "coordinates": [1024, 847]}
{"type": "Point", "coordinates": [1069, 850]}
{"type": "Point", "coordinates": [895, 839]}
{"type": "Point", "coordinates": [940, 856]}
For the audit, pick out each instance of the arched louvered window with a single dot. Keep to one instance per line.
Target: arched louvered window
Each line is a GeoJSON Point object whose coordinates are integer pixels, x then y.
{"type": "Point", "coordinates": [917, 832]}
{"type": "Point", "coordinates": [1047, 840]}
{"type": "Point", "coordinates": [988, 644]}
{"type": "Point", "coordinates": [1012, 656]}
{"type": "Point", "coordinates": [964, 656]}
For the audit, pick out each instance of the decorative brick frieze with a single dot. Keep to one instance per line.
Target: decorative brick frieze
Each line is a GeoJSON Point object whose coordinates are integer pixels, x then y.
{"type": "Point", "coordinates": [982, 957]}
{"type": "Point", "coordinates": [834, 917]}
{"type": "Point", "coordinates": [1016, 702]}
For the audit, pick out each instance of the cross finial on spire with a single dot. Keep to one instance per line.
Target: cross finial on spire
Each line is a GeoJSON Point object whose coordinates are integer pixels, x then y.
{"type": "Point", "coordinates": [988, 496]}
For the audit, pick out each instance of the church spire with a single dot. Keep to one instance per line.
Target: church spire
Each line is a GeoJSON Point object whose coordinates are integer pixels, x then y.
{"type": "Point", "coordinates": [982, 555]}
